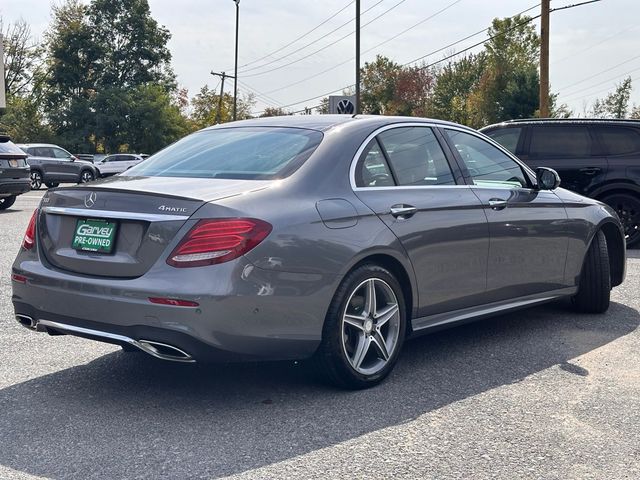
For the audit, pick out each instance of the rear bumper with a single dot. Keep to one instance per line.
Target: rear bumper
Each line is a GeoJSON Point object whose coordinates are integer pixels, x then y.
{"type": "Point", "coordinates": [14, 187]}
{"type": "Point", "coordinates": [243, 313]}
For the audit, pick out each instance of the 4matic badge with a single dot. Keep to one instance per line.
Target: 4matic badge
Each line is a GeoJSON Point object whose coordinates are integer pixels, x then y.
{"type": "Point", "coordinates": [166, 208]}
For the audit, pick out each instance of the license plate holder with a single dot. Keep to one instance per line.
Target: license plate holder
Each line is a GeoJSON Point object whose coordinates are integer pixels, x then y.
{"type": "Point", "coordinates": [94, 235]}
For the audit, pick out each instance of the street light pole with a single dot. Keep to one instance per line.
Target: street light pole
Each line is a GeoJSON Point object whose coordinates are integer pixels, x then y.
{"type": "Point", "coordinates": [235, 73]}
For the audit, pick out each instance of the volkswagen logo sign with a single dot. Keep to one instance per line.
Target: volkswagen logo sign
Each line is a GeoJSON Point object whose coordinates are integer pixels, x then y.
{"type": "Point", "coordinates": [90, 199]}
{"type": "Point", "coordinates": [346, 106]}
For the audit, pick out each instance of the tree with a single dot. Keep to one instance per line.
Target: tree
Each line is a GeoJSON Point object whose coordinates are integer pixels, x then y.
{"type": "Point", "coordinates": [378, 85]}
{"type": "Point", "coordinates": [204, 107]}
{"type": "Point", "coordinates": [22, 58]}
{"type": "Point", "coordinates": [275, 112]}
{"type": "Point", "coordinates": [615, 104]}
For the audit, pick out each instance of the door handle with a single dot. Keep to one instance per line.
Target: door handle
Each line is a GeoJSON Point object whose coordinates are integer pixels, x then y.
{"type": "Point", "coordinates": [497, 203]}
{"type": "Point", "coordinates": [403, 211]}
{"type": "Point", "coordinates": [590, 170]}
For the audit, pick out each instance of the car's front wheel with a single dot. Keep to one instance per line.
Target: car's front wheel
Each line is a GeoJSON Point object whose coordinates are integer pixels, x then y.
{"type": "Point", "coordinates": [594, 290]}
{"type": "Point", "coordinates": [6, 202]}
{"type": "Point", "coordinates": [36, 180]}
{"type": "Point", "coordinates": [87, 176]}
{"type": "Point", "coordinates": [364, 330]}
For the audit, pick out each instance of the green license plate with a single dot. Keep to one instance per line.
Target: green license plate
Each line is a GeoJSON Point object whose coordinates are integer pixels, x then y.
{"type": "Point", "coordinates": [94, 236]}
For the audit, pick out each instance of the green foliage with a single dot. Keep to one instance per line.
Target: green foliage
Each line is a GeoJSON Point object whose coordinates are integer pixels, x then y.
{"type": "Point", "coordinates": [23, 120]}
{"type": "Point", "coordinates": [615, 104]}
{"type": "Point", "coordinates": [204, 108]}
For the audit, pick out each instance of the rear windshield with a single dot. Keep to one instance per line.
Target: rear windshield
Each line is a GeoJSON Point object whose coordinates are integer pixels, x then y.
{"type": "Point", "coordinates": [7, 146]}
{"type": "Point", "coordinates": [253, 153]}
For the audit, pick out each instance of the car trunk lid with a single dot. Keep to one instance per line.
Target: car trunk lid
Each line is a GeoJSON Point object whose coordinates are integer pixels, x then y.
{"type": "Point", "coordinates": [120, 228]}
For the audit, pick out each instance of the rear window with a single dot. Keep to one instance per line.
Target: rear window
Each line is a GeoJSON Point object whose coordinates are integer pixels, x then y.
{"type": "Point", "coordinates": [253, 153]}
{"type": "Point", "coordinates": [507, 137]}
{"type": "Point", "coordinates": [620, 140]}
{"type": "Point", "coordinates": [560, 141]}
{"type": "Point", "coordinates": [9, 147]}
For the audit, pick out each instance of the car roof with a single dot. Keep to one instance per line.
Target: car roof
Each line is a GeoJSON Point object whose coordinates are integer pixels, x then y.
{"type": "Point", "coordinates": [325, 122]}
{"type": "Point", "coordinates": [565, 121]}
{"type": "Point", "coordinates": [28, 145]}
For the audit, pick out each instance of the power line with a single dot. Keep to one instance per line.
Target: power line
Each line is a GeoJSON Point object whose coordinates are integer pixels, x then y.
{"type": "Point", "coordinates": [326, 46]}
{"type": "Point", "coordinates": [314, 41]}
{"type": "Point", "coordinates": [600, 73]}
{"type": "Point", "coordinates": [573, 98]}
{"type": "Point", "coordinates": [632, 27]}
{"type": "Point", "coordinates": [301, 36]}
{"type": "Point", "coordinates": [368, 50]}
{"type": "Point", "coordinates": [457, 53]}
{"type": "Point", "coordinates": [612, 79]}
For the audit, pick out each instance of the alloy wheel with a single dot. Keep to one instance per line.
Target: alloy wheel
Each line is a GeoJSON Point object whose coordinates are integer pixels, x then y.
{"type": "Point", "coordinates": [628, 210]}
{"type": "Point", "coordinates": [36, 180]}
{"type": "Point", "coordinates": [87, 176]}
{"type": "Point", "coordinates": [370, 326]}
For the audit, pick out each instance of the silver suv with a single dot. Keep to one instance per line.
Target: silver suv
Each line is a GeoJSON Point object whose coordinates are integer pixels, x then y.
{"type": "Point", "coordinates": [53, 165]}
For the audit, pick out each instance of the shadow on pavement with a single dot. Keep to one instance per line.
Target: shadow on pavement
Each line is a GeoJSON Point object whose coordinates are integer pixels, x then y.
{"type": "Point", "coordinates": [126, 415]}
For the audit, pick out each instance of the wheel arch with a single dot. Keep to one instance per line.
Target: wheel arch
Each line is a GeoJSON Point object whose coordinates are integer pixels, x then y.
{"type": "Point", "coordinates": [616, 188]}
{"type": "Point", "coordinates": [399, 270]}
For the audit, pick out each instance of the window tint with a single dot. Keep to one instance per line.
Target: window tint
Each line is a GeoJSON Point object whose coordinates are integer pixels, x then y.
{"type": "Point", "coordinates": [240, 152]}
{"type": "Point", "coordinates": [372, 170]}
{"type": "Point", "coordinates": [416, 157]}
{"type": "Point", "coordinates": [560, 141]}
{"type": "Point", "coordinates": [507, 137]}
{"type": "Point", "coordinates": [487, 165]}
{"type": "Point", "coordinates": [46, 152]}
{"type": "Point", "coordinates": [61, 154]}
{"type": "Point", "coordinates": [620, 140]}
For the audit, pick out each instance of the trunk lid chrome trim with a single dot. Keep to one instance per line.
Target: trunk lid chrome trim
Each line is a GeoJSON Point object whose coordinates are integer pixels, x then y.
{"type": "Point", "coordinates": [81, 212]}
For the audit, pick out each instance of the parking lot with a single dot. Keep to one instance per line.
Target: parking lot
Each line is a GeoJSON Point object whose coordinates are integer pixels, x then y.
{"type": "Point", "coordinates": [542, 393]}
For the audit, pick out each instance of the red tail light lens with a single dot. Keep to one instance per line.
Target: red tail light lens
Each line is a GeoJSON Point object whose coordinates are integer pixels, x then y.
{"type": "Point", "coordinates": [29, 239]}
{"type": "Point", "coordinates": [217, 241]}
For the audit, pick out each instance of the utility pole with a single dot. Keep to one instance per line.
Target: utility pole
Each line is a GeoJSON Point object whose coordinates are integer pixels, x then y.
{"type": "Point", "coordinates": [357, 56]}
{"type": "Point", "coordinates": [235, 72]}
{"type": "Point", "coordinates": [544, 59]}
{"type": "Point", "coordinates": [222, 76]}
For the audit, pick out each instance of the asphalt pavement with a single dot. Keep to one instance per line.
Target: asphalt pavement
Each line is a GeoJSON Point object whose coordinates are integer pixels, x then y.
{"type": "Point", "coordinates": [543, 393]}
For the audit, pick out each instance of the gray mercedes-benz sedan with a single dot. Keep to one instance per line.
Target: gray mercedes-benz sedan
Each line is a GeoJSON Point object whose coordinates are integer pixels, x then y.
{"type": "Point", "coordinates": [330, 237]}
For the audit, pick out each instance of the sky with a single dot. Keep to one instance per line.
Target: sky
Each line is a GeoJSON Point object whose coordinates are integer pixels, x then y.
{"type": "Point", "coordinates": [593, 47]}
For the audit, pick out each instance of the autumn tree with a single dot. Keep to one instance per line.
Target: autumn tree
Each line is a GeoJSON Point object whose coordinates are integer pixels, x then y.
{"type": "Point", "coordinates": [615, 104]}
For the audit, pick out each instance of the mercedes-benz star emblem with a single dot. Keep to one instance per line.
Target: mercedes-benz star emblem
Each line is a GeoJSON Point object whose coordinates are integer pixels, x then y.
{"type": "Point", "coordinates": [90, 199]}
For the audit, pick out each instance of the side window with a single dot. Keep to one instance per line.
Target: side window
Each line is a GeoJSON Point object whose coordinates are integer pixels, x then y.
{"type": "Point", "coordinates": [507, 137]}
{"type": "Point", "coordinates": [60, 154]}
{"type": "Point", "coordinates": [620, 140]}
{"type": "Point", "coordinates": [487, 165]}
{"type": "Point", "coordinates": [46, 152]}
{"type": "Point", "coordinates": [416, 157]}
{"type": "Point", "coordinates": [372, 169]}
{"type": "Point", "coordinates": [560, 141]}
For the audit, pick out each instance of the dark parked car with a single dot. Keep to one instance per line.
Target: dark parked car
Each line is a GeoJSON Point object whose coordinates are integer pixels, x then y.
{"type": "Point", "coordinates": [596, 158]}
{"type": "Point", "coordinates": [333, 237]}
{"type": "Point", "coordinates": [14, 172]}
{"type": "Point", "coordinates": [53, 165]}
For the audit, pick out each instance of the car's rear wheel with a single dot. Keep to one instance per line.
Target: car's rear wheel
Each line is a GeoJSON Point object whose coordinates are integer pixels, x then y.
{"type": "Point", "coordinates": [6, 202]}
{"type": "Point", "coordinates": [628, 209]}
{"type": "Point", "coordinates": [36, 180]}
{"type": "Point", "coordinates": [364, 330]}
{"type": "Point", "coordinates": [52, 184]}
{"type": "Point", "coordinates": [594, 290]}
{"type": "Point", "coordinates": [87, 176]}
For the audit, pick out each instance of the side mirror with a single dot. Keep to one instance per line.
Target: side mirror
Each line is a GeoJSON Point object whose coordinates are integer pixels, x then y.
{"type": "Point", "coordinates": [547, 178]}
{"type": "Point", "coordinates": [72, 158]}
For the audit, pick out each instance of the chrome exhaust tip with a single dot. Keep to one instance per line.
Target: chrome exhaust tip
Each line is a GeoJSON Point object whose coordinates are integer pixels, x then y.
{"type": "Point", "coordinates": [163, 351]}
{"type": "Point", "coordinates": [26, 321]}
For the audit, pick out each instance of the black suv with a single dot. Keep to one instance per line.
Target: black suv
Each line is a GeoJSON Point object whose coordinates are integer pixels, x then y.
{"type": "Point", "coordinates": [14, 172]}
{"type": "Point", "coordinates": [53, 165]}
{"type": "Point", "coordinates": [596, 158]}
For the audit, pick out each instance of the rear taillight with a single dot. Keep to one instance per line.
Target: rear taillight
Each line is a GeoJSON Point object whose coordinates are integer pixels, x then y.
{"type": "Point", "coordinates": [29, 239]}
{"type": "Point", "coordinates": [216, 241]}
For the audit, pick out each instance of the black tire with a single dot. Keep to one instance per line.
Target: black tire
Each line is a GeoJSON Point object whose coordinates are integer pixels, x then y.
{"type": "Point", "coordinates": [7, 202]}
{"type": "Point", "coordinates": [594, 290]}
{"type": "Point", "coordinates": [52, 184]}
{"type": "Point", "coordinates": [86, 176]}
{"type": "Point", "coordinates": [627, 206]}
{"type": "Point", "coordinates": [332, 359]}
{"type": "Point", "coordinates": [36, 180]}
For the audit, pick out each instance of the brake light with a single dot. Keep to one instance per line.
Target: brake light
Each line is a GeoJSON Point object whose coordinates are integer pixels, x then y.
{"type": "Point", "coordinates": [29, 239]}
{"type": "Point", "coordinates": [217, 241]}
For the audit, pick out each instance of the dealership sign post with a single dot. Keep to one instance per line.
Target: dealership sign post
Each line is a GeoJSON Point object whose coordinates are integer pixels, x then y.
{"type": "Point", "coordinates": [3, 100]}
